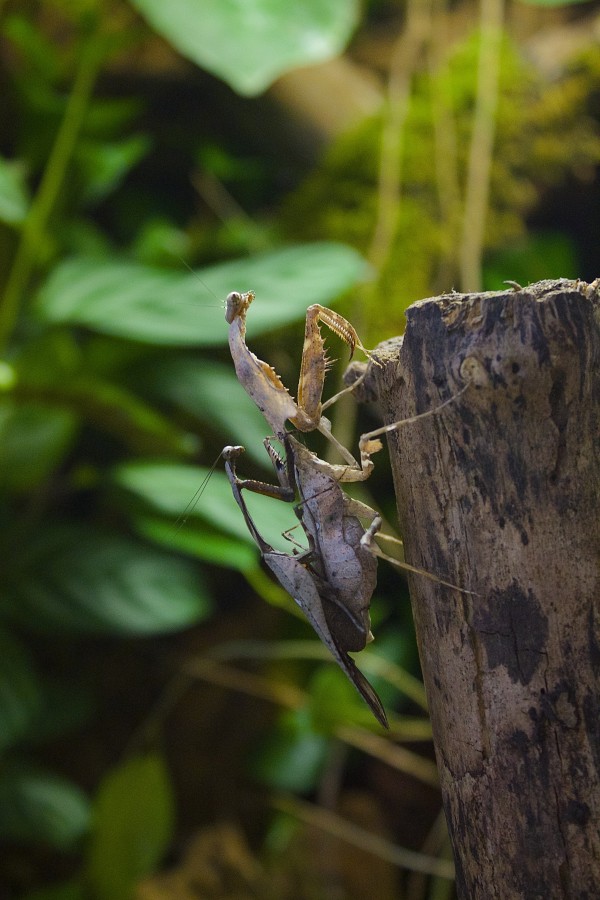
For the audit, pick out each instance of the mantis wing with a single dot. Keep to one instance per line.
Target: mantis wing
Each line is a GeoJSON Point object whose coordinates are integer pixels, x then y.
{"type": "Point", "coordinates": [301, 584]}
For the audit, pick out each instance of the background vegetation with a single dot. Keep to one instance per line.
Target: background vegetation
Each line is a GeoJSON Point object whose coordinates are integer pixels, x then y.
{"type": "Point", "coordinates": [156, 714]}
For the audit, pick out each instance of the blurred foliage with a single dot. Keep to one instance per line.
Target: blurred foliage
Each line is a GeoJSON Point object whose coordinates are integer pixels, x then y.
{"type": "Point", "coordinates": [250, 44]}
{"type": "Point", "coordinates": [100, 420]}
{"type": "Point", "coordinates": [546, 134]}
{"type": "Point", "coordinates": [119, 218]}
{"type": "Point", "coordinates": [132, 826]}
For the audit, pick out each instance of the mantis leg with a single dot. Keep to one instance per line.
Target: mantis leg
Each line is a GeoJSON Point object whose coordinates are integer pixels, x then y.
{"type": "Point", "coordinates": [314, 362]}
{"type": "Point", "coordinates": [361, 510]}
{"type": "Point", "coordinates": [349, 389]}
{"type": "Point", "coordinates": [230, 454]}
{"type": "Point", "coordinates": [368, 541]}
{"type": "Point", "coordinates": [369, 442]}
{"type": "Point", "coordinates": [356, 471]}
{"type": "Point", "coordinates": [373, 436]}
{"type": "Point", "coordinates": [285, 490]}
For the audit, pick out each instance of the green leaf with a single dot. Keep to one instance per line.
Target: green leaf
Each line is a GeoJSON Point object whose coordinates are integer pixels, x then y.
{"type": "Point", "coordinates": [162, 307]}
{"type": "Point", "coordinates": [33, 440]}
{"type": "Point", "coordinates": [159, 241]}
{"type": "Point", "coordinates": [14, 197]}
{"type": "Point", "coordinates": [199, 387]}
{"type": "Point", "coordinates": [118, 411]}
{"type": "Point", "coordinates": [250, 43]}
{"type": "Point", "coordinates": [207, 545]}
{"type": "Point", "coordinates": [132, 827]}
{"type": "Point", "coordinates": [293, 756]}
{"type": "Point", "coordinates": [40, 807]}
{"type": "Point", "coordinates": [41, 54]}
{"type": "Point", "coordinates": [334, 701]}
{"type": "Point", "coordinates": [113, 116]}
{"type": "Point", "coordinates": [54, 384]}
{"type": "Point", "coordinates": [20, 697]}
{"type": "Point", "coordinates": [49, 356]}
{"type": "Point", "coordinates": [171, 488]}
{"type": "Point", "coordinates": [104, 165]}
{"type": "Point", "coordinates": [78, 580]}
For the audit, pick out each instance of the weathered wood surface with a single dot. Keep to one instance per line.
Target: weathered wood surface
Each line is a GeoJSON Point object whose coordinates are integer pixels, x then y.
{"type": "Point", "coordinates": [500, 494]}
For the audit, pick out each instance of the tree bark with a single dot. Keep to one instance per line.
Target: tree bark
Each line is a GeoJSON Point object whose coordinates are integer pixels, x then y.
{"type": "Point", "coordinates": [499, 494]}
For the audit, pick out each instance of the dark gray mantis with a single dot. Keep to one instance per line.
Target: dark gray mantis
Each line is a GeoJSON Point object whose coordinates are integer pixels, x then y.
{"type": "Point", "coordinates": [334, 579]}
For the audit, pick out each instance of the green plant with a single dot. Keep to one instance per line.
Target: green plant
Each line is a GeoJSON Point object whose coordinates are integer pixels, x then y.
{"type": "Point", "coordinates": [111, 386]}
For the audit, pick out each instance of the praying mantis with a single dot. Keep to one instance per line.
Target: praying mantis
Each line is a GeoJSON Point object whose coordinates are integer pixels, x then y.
{"type": "Point", "coordinates": [334, 579]}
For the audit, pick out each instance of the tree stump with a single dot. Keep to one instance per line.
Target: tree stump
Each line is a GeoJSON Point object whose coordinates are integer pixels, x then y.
{"type": "Point", "coordinates": [499, 493]}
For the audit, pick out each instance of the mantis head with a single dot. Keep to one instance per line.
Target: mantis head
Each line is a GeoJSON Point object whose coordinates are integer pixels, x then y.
{"type": "Point", "coordinates": [237, 304]}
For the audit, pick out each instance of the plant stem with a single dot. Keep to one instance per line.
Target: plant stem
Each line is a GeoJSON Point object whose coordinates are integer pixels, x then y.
{"type": "Point", "coordinates": [403, 64]}
{"type": "Point", "coordinates": [482, 145]}
{"type": "Point", "coordinates": [50, 186]}
{"type": "Point", "coordinates": [445, 146]}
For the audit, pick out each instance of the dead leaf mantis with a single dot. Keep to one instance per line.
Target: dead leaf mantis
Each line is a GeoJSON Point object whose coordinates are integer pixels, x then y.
{"type": "Point", "coordinates": [334, 579]}
{"type": "Point", "coordinates": [262, 383]}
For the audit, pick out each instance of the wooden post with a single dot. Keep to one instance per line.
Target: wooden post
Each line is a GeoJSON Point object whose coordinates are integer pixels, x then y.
{"type": "Point", "coordinates": [500, 493]}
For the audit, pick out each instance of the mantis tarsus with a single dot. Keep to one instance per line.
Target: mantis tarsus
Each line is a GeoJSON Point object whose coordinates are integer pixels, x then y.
{"type": "Point", "coordinates": [334, 579]}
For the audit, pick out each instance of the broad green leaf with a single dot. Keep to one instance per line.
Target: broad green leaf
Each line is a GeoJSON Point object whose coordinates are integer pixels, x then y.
{"type": "Point", "coordinates": [118, 411]}
{"type": "Point", "coordinates": [171, 489]}
{"type": "Point", "coordinates": [20, 697]}
{"type": "Point", "coordinates": [179, 309]}
{"type": "Point", "coordinates": [78, 580]}
{"type": "Point", "coordinates": [250, 43]}
{"type": "Point", "coordinates": [132, 827]}
{"type": "Point", "coordinates": [208, 545]}
{"type": "Point", "coordinates": [40, 807]}
{"type": "Point", "coordinates": [53, 369]}
{"type": "Point", "coordinates": [14, 199]}
{"type": "Point", "coordinates": [200, 387]}
{"type": "Point", "coordinates": [33, 439]}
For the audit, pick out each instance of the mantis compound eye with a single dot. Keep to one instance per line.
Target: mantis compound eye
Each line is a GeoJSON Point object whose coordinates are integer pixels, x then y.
{"type": "Point", "coordinates": [229, 453]}
{"type": "Point", "coordinates": [237, 304]}
{"type": "Point", "coordinates": [232, 306]}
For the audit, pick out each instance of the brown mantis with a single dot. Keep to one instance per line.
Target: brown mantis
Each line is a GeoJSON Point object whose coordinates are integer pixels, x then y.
{"type": "Point", "coordinates": [334, 579]}
{"type": "Point", "coordinates": [265, 387]}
